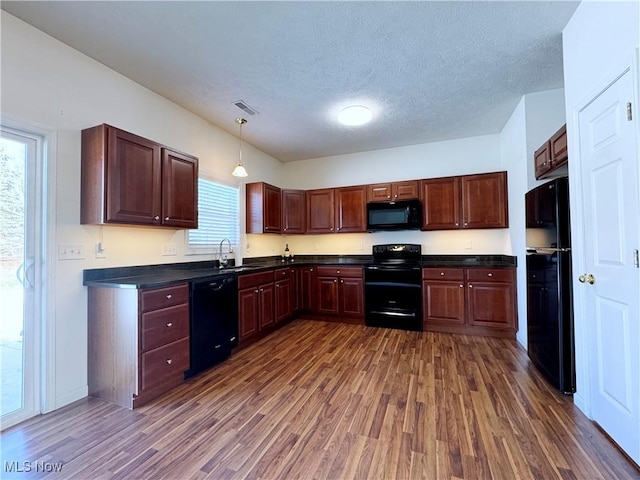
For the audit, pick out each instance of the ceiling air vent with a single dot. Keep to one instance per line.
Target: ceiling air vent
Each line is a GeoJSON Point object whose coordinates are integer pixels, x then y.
{"type": "Point", "coordinates": [244, 107]}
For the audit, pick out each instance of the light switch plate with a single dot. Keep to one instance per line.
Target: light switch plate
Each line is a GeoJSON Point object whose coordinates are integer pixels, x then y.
{"type": "Point", "coordinates": [71, 251]}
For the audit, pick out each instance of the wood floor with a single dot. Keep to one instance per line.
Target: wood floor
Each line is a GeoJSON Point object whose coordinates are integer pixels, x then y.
{"type": "Point", "coordinates": [337, 401]}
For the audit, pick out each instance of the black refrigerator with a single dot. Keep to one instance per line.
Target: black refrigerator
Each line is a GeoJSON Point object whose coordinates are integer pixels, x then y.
{"type": "Point", "coordinates": [549, 300]}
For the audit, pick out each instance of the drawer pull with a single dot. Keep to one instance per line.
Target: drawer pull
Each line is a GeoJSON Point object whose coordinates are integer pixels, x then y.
{"type": "Point", "coordinates": [489, 274]}
{"type": "Point", "coordinates": [166, 219]}
{"type": "Point", "coordinates": [170, 324]}
{"type": "Point", "coordinates": [442, 274]}
{"type": "Point", "coordinates": [232, 339]}
{"type": "Point", "coordinates": [470, 286]}
{"type": "Point", "coordinates": [217, 346]}
{"type": "Point", "coordinates": [169, 362]}
{"type": "Point", "coordinates": [169, 296]}
{"type": "Point", "coordinates": [461, 286]}
{"type": "Point", "coordinates": [338, 271]}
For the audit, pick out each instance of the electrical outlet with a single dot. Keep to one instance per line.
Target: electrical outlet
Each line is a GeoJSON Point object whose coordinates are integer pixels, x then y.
{"type": "Point", "coordinates": [169, 249]}
{"type": "Point", "coordinates": [101, 251]}
{"type": "Point", "coordinates": [248, 247]}
{"type": "Point", "coordinates": [71, 251]}
{"type": "Point", "coordinates": [468, 245]}
{"type": "Point", "coordinates": [360, 247]}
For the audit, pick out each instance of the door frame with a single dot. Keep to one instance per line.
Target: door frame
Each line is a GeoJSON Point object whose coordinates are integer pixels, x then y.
{"type": "Point", "coordinates": [582, 331]}
{"type": "Point", "coordinates": [45, 314]}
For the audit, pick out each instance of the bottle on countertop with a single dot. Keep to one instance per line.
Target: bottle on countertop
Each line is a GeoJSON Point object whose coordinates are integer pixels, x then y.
{"type": "Point", "coordinates": [287, 252]}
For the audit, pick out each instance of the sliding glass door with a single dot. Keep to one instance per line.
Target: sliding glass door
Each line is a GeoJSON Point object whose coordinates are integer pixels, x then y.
{"type": "Point", "coordinates": [20, 260]}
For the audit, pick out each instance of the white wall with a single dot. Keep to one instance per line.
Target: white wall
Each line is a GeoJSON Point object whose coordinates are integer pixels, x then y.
{"type": "Point", "coordinates": [48, 84]}
{"type": "Point", "coordinates": [535, 119]}
{"type": "Point", "coordinates": [439, 159]}
{"type": "Point", "coordinates": [597, 40]}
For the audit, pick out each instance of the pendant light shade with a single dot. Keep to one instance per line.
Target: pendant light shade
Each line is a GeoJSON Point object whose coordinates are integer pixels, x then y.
{"type": "Point", "coordinates": [240, 171]}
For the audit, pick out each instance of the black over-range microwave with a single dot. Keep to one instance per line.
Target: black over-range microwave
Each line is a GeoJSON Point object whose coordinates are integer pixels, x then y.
{"type": "Point", "coordinates": [400, 215]}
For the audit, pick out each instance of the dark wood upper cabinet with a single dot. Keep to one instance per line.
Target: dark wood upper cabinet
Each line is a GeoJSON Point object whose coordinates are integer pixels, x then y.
{"type": "Point", "coordinates": [441, 203]}
{"type": "Point", "coordinates": [129, 179]}
{"type": "Point", "coordinates": [320, 211]}
{"type": "Point", "coordinates": [470, 201]}
{"type": "Point", "coordinates": [351, 209]}
{"type": "Point", "coordinates": [484, 200]}
{"type": "Point", "coordinates": [551, 158]}
{"type": "Point", "coordinates": [293, 211]}
{"type": "Point", "coordinates": [542, 159]}
{"type": "Point", "coordinates": [264, 208]}
{"type": "Point", "coordinates": [385, 192]}
{"type": "Point", "coordinates": [179, 189]}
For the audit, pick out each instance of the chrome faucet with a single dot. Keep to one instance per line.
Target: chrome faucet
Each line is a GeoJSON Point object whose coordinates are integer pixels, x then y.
{"type": "Point", "coordinates": [223, 260]}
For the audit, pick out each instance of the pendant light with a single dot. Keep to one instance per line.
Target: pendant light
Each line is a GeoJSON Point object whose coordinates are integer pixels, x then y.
{"type": "Point", "coordinates": [240, 171]}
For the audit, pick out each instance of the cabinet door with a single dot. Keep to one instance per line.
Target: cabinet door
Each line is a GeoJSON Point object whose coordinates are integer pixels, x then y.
{"type": "Point", "coordinates": [542, 159]}
{"type": "Point", "coordinates": [133, 179]}
{"type": "Point", "coordinates": [327, 288]}
{"type": "Point", "coordinates": [293, 211]}
{"type": "Point", "coordinates": [248, 312]}
{"type": "Point", "coordinates": [443, 302]}
{"type": "Point", "coordinates": [284, 300]}
{"type": "Point", "coordinates": [380, 192]}
{"type": "Point", "coordinates": [351, 209]}
{"type": "Point", "coordinates": [308, 289]}
{"type": "Point", "coordinates": [408, 190]}
{"type": "Point", "coordinates": [352, 297]}
{"type": "Point", "coordinates": [267, 307]}
{"type": "Point", "coordinates": [320, 211]}
{"type": "Point", "coordinates": [491, 304]}
{"type": "Point", "coordinates": [441, 203]}
{"type": "Point", "coordinates": [484, 201]}
{"type": "Point", "coordinates": [272, 208]}
{"type": "Point", "coordinates": [558, 146]}
{"type": "Point", "coordinates": [179, 189]}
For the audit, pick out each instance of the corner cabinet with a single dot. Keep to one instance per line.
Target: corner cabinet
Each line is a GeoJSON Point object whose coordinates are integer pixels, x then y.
{"type": "Point", "coordinates": [138, 342]}
{"type": "Point", "coordinates": [128, 179]}
{"type": "Point", "coordinates": [264, 209]}
{"type": "Point", "coordinates": [467, 202]}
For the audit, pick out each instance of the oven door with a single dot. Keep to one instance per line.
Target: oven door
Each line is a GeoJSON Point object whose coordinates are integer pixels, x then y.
{"type": "Point", "coordinates": [393, 297]}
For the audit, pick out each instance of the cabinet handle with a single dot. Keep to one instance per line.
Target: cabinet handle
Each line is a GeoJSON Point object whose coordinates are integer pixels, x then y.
{"type": "Point", "coordinates": [169, 362]}
{"type": "Point", "coordinates": [489, 274]}
{"type": "Point", "coordinates": [232, 339]}
{"type": "Point", "coordinates": [335, 281]}
{"type": "Point", "coordinates": [311, 269]}
{"type": "Point", "coordinates": [257, 291]}
{"type": "Point", "coordinates": [217, 346]}
{"type": "Point", "coordinates": [170, 324]}
{"type": "Point", "coordinates": [331, 229]}
{"type": "Point", "coordinates": [262, 289]}
{"type": "Point", "coordinates": [157, 217]}
{"type": "Point", "coordinates": [388, 196]}
{"type": "Point", "coordinates": [285, 229]}
{"type": "Point", "coordinates": [457, 224]}
{"type": "Point", "coordinates": [442, 274]}
{"type": "Point", "coordinates": [470, 286]}
{"type": "Point", "coordinates": [461, 286]}
{"type": "Point", "coordinates": [341, 281]}
{"type": "Point", "coordinates": [465, 224]}
{"type": "Point", "coordinates": [338, 271]}
{"type": "Point", "coordinates": [169, 296]}
{"type": "Point", "coordinates": [395, 196]}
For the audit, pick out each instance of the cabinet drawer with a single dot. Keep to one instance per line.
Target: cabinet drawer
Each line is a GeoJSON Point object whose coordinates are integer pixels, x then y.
{"type": "Point", "coordinates": [163, 297]}
{"type": "Point", "coordinates": [443, 274]}
{"type": "Point", "coordinates": [164, 326]}
{"type": "Point", "coordinates": [354, 272]}
{"type": "Point", "coordinates": [164, 364]}
{"type": "Point", "coordinates": [255, 279]}
{"type": "Point", "coordinates": [490, 275]}
{"type": "Point", "coordinates": [283, 273]}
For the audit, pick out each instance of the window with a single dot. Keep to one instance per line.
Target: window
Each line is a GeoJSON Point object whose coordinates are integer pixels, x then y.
{"type": "Point", "coordinates": [218, 217]}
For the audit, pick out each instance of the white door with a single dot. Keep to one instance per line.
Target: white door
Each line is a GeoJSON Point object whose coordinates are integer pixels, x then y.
{"type": "Point", "coordinates": [20, 260]}
{"type": "Point", "coordinates": [609, 171]}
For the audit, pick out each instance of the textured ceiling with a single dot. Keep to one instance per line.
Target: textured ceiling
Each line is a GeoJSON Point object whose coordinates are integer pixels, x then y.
{"type": "Point", "coordinates": [430, 71]}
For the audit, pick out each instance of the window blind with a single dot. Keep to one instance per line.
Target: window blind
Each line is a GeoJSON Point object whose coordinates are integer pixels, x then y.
{"type": "Point", "coordinates": [218, 215]}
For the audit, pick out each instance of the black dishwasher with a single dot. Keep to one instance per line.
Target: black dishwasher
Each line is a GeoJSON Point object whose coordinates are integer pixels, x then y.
{"type": "Point", "coordinates": [213, 320]}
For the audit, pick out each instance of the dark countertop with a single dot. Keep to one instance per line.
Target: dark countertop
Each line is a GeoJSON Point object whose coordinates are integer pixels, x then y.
{"type": "Point", "coordinates": [151, 276]}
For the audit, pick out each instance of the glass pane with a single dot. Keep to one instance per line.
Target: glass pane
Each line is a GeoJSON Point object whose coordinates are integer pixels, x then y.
{"type": "Point", "coordinates": [13, 155]}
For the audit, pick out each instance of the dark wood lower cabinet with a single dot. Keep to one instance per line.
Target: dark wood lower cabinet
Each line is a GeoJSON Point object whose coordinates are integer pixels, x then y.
{"type": "Point", "coordinates": [473, 301]}
{"type": "Point", "coordinates": [340, 292]}
{"type": "Point", "coordinates": [285, 294]}
{"type": "Point", "coordinates": [138, 342]}
{"type": "Point", "coordinates": [256, 306]}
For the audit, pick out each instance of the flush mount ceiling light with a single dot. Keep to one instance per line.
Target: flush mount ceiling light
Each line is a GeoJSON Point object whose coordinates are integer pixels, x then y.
{"type": "Point", "coordinates": [354, 115]}
{"type": "Point", "coordinates": [240, 171]}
